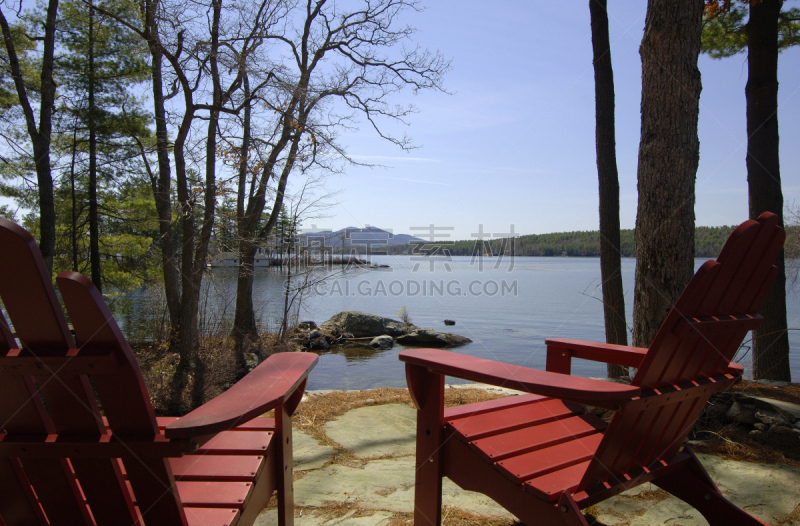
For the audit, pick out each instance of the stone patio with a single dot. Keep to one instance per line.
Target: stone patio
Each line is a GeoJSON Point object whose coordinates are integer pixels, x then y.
{"type": "Point", "coordinates": [378, 482]}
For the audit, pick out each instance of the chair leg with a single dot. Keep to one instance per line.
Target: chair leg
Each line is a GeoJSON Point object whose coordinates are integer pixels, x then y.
{"type": "Point", "coordinates": [284, 465]}
{"type": "Point", "coordinates": [427, 390]}
{"type": "Point", "coordinates": [571, 511]}
{"type": "Point", "coordinates": [693, 485]}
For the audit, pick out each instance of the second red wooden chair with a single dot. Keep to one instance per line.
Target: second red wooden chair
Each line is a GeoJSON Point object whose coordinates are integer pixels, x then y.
{"type": "Point", "coordinates": [542, 458]}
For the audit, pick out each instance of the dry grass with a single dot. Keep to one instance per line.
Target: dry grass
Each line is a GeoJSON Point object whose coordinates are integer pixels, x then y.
{"type": "Point", "coordinates": [789, 393]}
{"type": "Point", "coordinates": [336, 510]}
{"type": "Point", "coordinates": [657, 494]}
{"type": "Point", "coordinates": [790, 519]}
{"type": "Point", "coordinates": [731, 443]}
{"type": "Point", "coordinates": [452, 516]}
{"type": "Point", "coordinates": [158, 366]}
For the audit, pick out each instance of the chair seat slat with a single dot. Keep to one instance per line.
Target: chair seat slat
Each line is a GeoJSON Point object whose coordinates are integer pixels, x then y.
{"type": "Point", "coordinates": [551, 486]}
{"type": "Point", "coordinates": [226, 468]}
{"type": "Point", "coordinates": [502, 446]}
{"type": "Point", "coordinates": [542, 461]}
{"type": "Point", "coordinates": [508, 419]}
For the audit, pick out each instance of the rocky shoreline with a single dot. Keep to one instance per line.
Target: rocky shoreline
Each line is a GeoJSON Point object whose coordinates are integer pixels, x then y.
{"type": "Point", "coordinates": [369, 330]}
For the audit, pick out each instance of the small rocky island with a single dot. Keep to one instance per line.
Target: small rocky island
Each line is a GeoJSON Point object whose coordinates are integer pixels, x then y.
{"type": "Point", "coordinates": [353, 327]}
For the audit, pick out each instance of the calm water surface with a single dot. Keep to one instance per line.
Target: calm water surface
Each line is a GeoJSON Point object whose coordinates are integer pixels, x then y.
{"type": "Point", "coordinates": [507, 308]}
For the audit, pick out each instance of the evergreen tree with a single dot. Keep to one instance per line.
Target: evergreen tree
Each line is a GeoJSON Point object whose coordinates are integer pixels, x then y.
{"type": "Point", "coordinates": [768, 31]}
{"type": "Point", "coordinates": [98, 66]}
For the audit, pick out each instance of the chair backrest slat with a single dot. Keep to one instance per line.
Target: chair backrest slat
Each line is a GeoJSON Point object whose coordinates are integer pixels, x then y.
{"type": "Point", "coordinates": [689, 358]}
{"type": "Point", "coordinates": [124, 397]}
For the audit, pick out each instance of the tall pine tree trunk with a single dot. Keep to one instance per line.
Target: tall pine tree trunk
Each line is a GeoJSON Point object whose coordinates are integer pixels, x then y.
{"type": "Point", "coordinates": [94, 221]}
{"type": "Point", "coordinates": [610, 266]}
{"type": "Point", "coordinates": [771, 343]}
{"type": "Point", "coordinates": [73, 195]}
{"type": "Point", "coordinates": [668, 157]}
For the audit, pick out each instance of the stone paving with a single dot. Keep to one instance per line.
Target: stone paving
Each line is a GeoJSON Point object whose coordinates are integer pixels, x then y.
{"type": "Point", "coordinates": [383, 483]}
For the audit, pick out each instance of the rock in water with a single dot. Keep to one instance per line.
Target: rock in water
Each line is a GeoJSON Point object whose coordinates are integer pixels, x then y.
{"type": "Point", "coordinates": [382, 342]}
{"type": "Point", "coordinates": [320, 344]}
{"type": "Point", "coordinates": [361, 324]}
{"type": "Point", "coordinates": [430, 338]}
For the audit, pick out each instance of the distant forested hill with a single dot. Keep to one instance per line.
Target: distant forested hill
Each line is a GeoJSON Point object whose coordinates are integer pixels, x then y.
{"type": "Point", "coordinates": [708, 242]}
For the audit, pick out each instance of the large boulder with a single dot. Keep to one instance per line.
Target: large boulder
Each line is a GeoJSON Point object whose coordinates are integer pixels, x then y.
{"type": "Point", "coordinates": [361, 324]}
{"type": "Point", "coordinates": [431, 338]}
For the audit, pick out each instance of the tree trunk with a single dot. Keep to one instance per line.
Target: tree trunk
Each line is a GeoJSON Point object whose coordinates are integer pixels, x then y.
{"type": "Point", "coordinates": [610, 266]}
{"type": "Point", "coordinates": [771, 339]}
{"type": "Point", "coordinates": [74, 209]}
{"type": "Point", "coordinates": [245, 331]}
{"type": "Point", "coordinates": [47, 214]}
{"type": "Point", "coordinates": [94, 226]}
{"type": "Point", "coordinates": [668, 157]}
{"type": "Point", "coordinates": [40, 138]}
{"type": "Point", "coordinates": [161, 186]}
{"type": "Point", "coordinates": [195, 245]}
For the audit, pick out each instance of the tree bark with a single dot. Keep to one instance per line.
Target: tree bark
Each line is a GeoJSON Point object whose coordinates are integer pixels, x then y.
{"type": "Point", "coordinates": [771, 339]}
{"type": "Point", "coordinates": [41, 136]}
{"type": "Point", "coordinates": [245, 331]}
{"type": "Point", "coordinates": [94, 220]}
{"type": "Point", "coordinates": [74, 208]}
{"type": "Point", "coordinates": [668, 158]}
{"type": "Point", "coordinates": [161, 185]}
{"type": "Point", "coordinates": [605, 135]}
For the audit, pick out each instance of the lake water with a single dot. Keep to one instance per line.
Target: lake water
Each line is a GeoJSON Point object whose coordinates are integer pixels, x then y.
{"type": "Point", "coordinates": [507, 307]}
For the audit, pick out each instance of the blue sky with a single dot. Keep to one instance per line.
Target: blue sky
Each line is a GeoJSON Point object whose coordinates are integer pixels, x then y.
{"type": "Point", "coordinates": [514, 142]}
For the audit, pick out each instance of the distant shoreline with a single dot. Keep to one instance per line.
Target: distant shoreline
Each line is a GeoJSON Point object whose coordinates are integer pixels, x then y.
{"type": "Point", "coordinates": [708, 243]}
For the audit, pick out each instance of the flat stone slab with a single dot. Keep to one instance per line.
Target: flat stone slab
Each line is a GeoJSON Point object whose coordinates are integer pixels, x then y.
{"type": "Point", "coordinates": [378, 518]}
{"type": "Point", "coordinates": [764, 491]}
{"type": "Point", "coordinates": [486, 387]}
{"type": "Point", "coordinates": [386, 484]}
{"type": "Point", "coordinates": [308, 452]}
{"type": "Point", "coordinates": [376, 431]}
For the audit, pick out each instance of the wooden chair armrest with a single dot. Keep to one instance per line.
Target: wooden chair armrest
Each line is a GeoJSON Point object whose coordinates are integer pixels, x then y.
{"type": "Point", "coordinates": [560, 351]}
{"type": "Point", "coordinates": [582, 390]}
{"type": "Point", "coordinates": [266, 387]}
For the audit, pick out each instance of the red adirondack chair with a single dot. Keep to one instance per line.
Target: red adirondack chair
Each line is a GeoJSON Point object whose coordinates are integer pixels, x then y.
{"type": "Point", "coordinates": [542, 458]}
{"type": "Point", "coordinates": [80, 443]}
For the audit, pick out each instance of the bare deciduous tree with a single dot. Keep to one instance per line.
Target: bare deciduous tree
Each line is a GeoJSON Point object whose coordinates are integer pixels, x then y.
{"type": "Point", "coordinates": [340, 64]}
